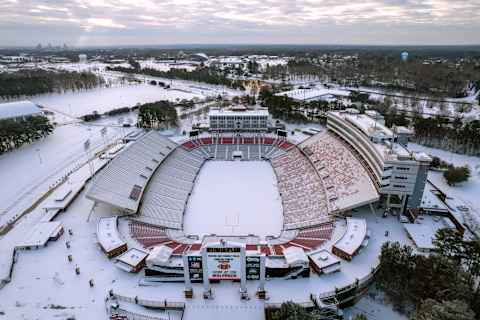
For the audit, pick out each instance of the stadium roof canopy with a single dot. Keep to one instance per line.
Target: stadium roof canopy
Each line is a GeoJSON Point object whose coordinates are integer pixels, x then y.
{"type": "Point", "coordinates": [18, 109]}
{"type": "Point", "coordinates": [122, 183]}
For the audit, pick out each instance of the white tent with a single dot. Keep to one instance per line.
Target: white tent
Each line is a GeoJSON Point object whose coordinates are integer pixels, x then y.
{"type": "Point", "coordinates": [159, 256]}
{"type": "Point", "coordinates": [295, 256]}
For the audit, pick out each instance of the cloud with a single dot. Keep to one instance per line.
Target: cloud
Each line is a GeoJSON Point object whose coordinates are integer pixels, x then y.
{"type": "Point", "coordinates": [108, 22]}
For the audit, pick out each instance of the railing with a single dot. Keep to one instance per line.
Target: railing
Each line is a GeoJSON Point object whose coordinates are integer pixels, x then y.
{"type": "Point", "coordinates": [137, 316]}
{"type": "Point", "coordinates": [164, 304]}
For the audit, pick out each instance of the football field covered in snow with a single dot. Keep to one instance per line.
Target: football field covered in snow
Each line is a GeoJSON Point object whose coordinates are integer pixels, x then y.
{"type": "Point", "coordinates": [235, 198]}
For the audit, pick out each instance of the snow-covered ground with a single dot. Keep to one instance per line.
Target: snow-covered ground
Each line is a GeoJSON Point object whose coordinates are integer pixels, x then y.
{"type": "Point", "coordinates": [239, 198]}
{"type": "Point", "coordinates": [464, 194]}
{"type": "Point", "coordinates": [375, 307]}
{"type": "Point", "coordinates": [450, 106]}
{"type": "Point", "coordinates": [44, 277]}
{"type": "Point", "coordinates": [33, 166]}
{"type": "Point", "coordinates": [105, 99]}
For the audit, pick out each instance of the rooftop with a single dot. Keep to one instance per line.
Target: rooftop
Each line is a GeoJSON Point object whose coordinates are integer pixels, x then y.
{"type": "Point", "coordinates": [313, 94]}
{"type": "Point", "coordinates": [295, 256]}
{"type": "Point", "coordinates": [323, 259]}
{"type": "Point", "coordinates": [379, 135]}
{"type": "Point", "coordinates": [257, 112]}
{"type": "Point", "coordinates": [18, 109]}
{"type": "Point", "coordinates": [423, 231]}
{"type": "Point", "coordinates": [354, 236]}
{"type": "Point", "coordinates": [40, 234]}
{"type": "Point", "coordinates": [160, 255]}
{"type": "Point", "coordinates": [108, 235]}
{"type": "Point", "coordinates": [369, 126]}
{"type": "Point", "coordinates": [132, 257]}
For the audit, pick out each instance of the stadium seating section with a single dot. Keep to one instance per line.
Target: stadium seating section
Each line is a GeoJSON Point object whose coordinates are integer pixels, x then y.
{"type": "Point", "coordinates": [166, 196]}
{"type": "Point", "coordinates": [303, 194]}
{"type": "Point", "coordinates": [254, 147]}
{"type": "Point", "coordinates": [337, 166]}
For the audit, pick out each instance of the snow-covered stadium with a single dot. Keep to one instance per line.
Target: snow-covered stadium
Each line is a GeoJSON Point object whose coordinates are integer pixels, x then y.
{"type": "Point", "coordinates": [205, 225]}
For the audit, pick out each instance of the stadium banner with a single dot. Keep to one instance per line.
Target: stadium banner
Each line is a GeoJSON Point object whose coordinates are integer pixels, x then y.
{"type": "Point", "coordinates": [195, 269]}
{"type": "Point", "coordinates": [252, 267]}
{"type": "Point", "coordinates": [193, 133]}
{"type": "Point", "coordinates": [224, 263]}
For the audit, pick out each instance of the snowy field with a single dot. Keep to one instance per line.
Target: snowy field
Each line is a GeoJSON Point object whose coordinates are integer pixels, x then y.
{"type": "Point", "coordinates": [105, 99]}
{"type": "Point", "coordinates": [31, 166]}
{"type": "Point", "coordinates": [235, 198]}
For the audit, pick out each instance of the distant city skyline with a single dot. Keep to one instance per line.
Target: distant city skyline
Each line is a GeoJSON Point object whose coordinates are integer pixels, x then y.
{"type": "Point", "coordinates": [176, 22]}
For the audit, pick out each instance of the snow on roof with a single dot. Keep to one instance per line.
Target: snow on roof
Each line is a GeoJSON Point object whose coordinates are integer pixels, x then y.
{"type": "Point", "coordinates": [133, 257]}
{"type": "Point", "coordinates": [201, 55]}
{"type": "Point", "coordinates": [403, 130]}
{"type": "Point", "coordinates": [369, 126]}
{"type": "Point", "coordinates": [423, 231]}
{"type": "Point", "coordinates": [108, 235]}
{"type": "Point", "coordinates": [159, 256]}
{"type": "Point", "coordinates": [431, 201]}
{"type": "Point", "coordinates": [40, 234]}
{"type": "Point", "coordinates": [422, 235]}
{"type": "Point", "coordinates": [422, 156]}
{"type": "Point", "coordinates": [18, 109]}
{"type": "Point", "coordinates": [323, 259]}
{"type": "Point", "coordinates": [313, 94]}
{"type": "Point", "coordinates": [353, 237]}
{"type": "Point", "coordinates": [257, 112]}
{"type": "Point", "coordinates": [122, 182]}
{"type": "Point", "coordinates": [295, 256]}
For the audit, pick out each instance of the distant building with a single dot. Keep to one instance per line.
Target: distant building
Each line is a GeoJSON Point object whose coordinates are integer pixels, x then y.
{"type": "Point", "coordinates": [82, 58]}
{"type": "Point", "coordinates": [238, 119]}
{"type": "Point", "coordinates": [201, 57]}
{"type": "Point", "coordinates": [19, 110]}
{"type": "Point", "coordinates": [404, 56]}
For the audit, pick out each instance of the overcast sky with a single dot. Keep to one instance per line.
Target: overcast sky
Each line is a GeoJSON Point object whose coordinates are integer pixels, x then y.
{"type": "Point", "coordinates": [163, 22]}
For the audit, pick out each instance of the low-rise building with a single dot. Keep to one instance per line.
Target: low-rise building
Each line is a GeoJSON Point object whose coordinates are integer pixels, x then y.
{"type": "Point", "coordinates": [238, 120]}
{"type": "Point", "coordinates": [19, 110]}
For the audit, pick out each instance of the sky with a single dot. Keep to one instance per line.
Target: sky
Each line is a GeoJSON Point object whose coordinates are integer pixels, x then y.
{"type": "Point", "coordinates": [167, 22]}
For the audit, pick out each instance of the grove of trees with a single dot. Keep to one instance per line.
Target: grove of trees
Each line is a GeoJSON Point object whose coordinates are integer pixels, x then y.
{"type": "Point", "coordinates": [33, 82]}
{"type": "Point", "coordinates": [207, 75]}
{"type": "Point", "coordinates": [14, 134]}
{"type": "Point", "coordinates": [288, 109]}
{"type": "Point", "coordinates": [452, 135]}
{"type": "Point", "coordinates": [435, 286]}
{"type": "Point", "coordinates": [160, 114]}
{"type": "Point", "coordinates": [292, 311]}
{"type": "Point", "coordinates": [454, 175]}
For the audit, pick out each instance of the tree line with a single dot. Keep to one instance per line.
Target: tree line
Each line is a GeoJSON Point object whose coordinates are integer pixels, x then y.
{"type": "Point", "coordinates": [160, 114]}
{"type": "Point", "coordinates": [15, 133]}
{"type": "Point", "coordinates": [448, 78]}
{"type": "Point", "coordinates": [452, 134]}
{"type": "Point", "coordinates": [449, 135]}
{"type": "Point", "coordinates": [206, 75]}
{"type": "Point", "coordinates": [33, 82]}
{"type": "Point", "coordinates": [443, 285]}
